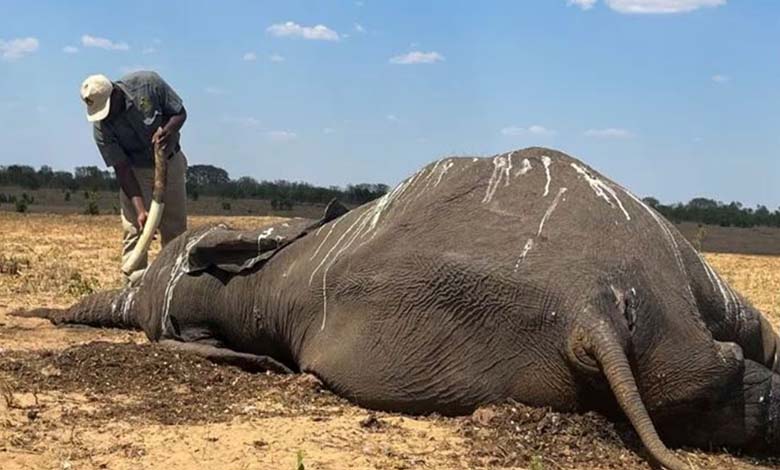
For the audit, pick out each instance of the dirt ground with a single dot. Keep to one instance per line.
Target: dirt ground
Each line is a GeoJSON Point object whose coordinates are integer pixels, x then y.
{"type": "Point", "coordinates": [80, 398]}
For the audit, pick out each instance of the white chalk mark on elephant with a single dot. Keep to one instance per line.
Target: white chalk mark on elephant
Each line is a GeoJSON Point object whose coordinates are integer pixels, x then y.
{"type": "Point", "coordinates": [128, 304]}
{"type": "Point", "coordinates": [671, 240]}
{"type": "Point", "coordinates": [550, 210]}
{"type": "Point", "coordinates": [525, 168]}
{"type": "Point", "coordinates": [362, 220]}
{"type": "Point", "coordinates": [265, 234]}
{"type": "Point", "coordinates": [502, 166]}
{"type": "Point", "coordinates": [418, 188]}
{"type": "Point", "coordinates": [529, 245]}
{"type": "Point", "coordinates": [332, 226]}
{"type": "Point", "coordinates": [385, 201]}
{"type": "Point", "coordinates": [336, 245]}
{"type": "Point", "coordinates": [443, 170]}
{"type": "Point", "coordinates": [601, 189]}
{"type": "Point", "coordinates": [178, 270]}
{"type": "Point", "coordinates": [547, 161]}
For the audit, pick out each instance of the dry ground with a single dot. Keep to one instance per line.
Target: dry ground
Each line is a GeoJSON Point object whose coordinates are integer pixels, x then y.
{"type": "Point", "coordinates": [93, 399]}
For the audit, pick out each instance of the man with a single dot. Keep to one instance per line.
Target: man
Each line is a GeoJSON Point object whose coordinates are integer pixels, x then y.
{"type": "Point", "coordinates": [130, 117]}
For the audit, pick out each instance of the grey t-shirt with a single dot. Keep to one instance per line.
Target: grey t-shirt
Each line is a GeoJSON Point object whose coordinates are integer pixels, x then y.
{"type": "Point", "coordinates": [150, 102]}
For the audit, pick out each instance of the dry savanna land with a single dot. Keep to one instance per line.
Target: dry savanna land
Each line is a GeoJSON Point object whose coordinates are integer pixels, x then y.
{"type": "Point", "coordinates": [85, 398]}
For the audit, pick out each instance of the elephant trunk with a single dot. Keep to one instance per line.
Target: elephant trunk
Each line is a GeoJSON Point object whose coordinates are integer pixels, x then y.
{"type": "Point", "coordinates": [610, 355]}
{"type": "Point", "coordinates": [109, 309]}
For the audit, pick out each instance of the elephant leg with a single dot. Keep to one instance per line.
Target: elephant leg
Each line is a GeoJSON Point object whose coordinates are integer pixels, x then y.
{"type": "Point", "coordinates": [217, 355]}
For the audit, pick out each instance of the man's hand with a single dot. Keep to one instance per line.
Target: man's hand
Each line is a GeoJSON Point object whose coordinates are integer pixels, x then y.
{"type": "Point", "coordinates": [162, 138]}
{"type": "Point", "coordinates": [140, 210]}
{"type": "Point", "coordinates": [142, 219]}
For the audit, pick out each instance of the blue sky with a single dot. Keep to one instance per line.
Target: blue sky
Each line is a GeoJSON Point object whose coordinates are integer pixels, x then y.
{"type": "Point", "coordinates": [674, 98]}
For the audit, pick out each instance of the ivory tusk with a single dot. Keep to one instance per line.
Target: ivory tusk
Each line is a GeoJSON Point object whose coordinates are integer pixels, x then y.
{"type": "Point", "coordinates": [155, 214]}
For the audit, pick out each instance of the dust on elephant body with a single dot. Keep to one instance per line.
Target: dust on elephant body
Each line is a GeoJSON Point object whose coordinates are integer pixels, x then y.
{"type": "Point", "coordinates": [525, 276]}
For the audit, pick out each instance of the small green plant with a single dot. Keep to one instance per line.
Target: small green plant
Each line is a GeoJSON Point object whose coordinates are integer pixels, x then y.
{"type": "Point", "coordinates": [226, 206]}
{"type": "Point", "coordinates": [536, 463]}
{"type": "Point", "coordinates": [28, 199]}
{"type": "Point", "coordinates": [194, 195]}
{"type": "Point", "coordinates": [698, 239]}
{"type": "Point", "coordinates": [79, 286]}
{"type": "Point", "coordinates": [67, 196]}
{"type": "Point", "coordinates": [91, 207]}
{"type": "Point", "coordinates": [21, 206]}
{"type": "Point", "coordinates": [13, 266]}
{"type": "Point", "coordinates": [300, 465]}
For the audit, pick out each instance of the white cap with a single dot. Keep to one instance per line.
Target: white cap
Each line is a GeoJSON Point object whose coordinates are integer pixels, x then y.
{"type": "Point", "coordinates": [96, 93]}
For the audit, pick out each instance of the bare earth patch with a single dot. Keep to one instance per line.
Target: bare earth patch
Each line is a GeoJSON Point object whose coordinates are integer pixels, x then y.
{"type": "Point", "coordinates": [84, 398]}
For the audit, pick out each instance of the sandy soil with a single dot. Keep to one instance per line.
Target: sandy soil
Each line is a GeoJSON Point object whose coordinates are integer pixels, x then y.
{"type": "Point", "coordinates": [80, 398]}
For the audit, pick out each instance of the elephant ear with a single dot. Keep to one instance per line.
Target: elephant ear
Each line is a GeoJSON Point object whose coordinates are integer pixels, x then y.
{"type": "Point", "coordinates": [234, 251]}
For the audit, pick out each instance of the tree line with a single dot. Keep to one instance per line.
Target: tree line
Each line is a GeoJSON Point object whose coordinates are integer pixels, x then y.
{"type": "Point", "coordinates": [202, 180]}
{"type": "Point", "coordinates": [712, 212]}
{"type": "Point", "coordinates": [209, 180]}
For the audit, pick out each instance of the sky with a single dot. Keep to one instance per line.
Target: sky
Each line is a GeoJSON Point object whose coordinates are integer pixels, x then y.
{"type": "Point", "coordinates": [671, 98]}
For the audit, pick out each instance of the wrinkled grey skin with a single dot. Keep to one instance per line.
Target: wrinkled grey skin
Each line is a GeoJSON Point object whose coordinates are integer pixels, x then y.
{"type": "Point", "coordinates": [526, 276]}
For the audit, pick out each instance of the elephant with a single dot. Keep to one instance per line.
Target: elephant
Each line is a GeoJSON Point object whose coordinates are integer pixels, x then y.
{"type": "Point", "coordinates": [526, 276]}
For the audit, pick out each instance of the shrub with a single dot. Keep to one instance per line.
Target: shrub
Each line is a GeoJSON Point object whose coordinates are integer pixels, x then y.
{"type": "Point", "coordinates": [91, 206]}
{"type": "Point", "coordinates": [226, 206]}
{"type": "Point", "coordinates": [21, 206]}
{"type": "Point", "coordinates": [79, 286]}
{"type": "Point", "coordinates": [67, 196]}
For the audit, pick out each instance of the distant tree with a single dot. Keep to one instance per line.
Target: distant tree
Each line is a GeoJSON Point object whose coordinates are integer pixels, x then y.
{"type": "Point", "coordinates": [206, 175]}
{"type": "Point", "coordinates": [651, 201]}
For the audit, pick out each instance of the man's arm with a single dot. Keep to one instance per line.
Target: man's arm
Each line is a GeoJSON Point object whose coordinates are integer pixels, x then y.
{"type": "Point", "coordinates": [129, 184]}
{"type": "Point", "coordinates": [114, 155]}
{"type": "Point", "coordinates": [173, 112]}
{"type": "Point", "coordinates": [163, 135]}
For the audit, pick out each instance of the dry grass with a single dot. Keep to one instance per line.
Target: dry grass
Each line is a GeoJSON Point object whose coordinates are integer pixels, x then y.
{"type": "Point", "coordinates": [755, 277]}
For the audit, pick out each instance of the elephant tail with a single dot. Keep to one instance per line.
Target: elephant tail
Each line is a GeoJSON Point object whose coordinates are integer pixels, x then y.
{"type": "Point", "coordinates": [611, 357]}
{"type": "Point", "coordinates": [109, 309]}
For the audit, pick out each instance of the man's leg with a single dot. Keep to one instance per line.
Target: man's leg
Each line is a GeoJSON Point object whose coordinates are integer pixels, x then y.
{"type": "Point", "coordinates": [130, 230]}
{"type": "Point", "coordinates": [174, 220]}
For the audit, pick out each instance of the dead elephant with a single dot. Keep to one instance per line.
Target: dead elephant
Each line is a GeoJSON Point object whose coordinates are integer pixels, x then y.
{"type": "Point", "coordinates": [526, 276]}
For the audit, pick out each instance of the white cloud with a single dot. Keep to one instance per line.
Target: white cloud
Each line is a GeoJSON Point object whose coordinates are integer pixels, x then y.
{"type": "Point", "coordinates": [18, 48]}
{"type": "Point", "coordinates": [244, 121]}
{"type": "Point", "coordinates": [281, 136]}
{"type": "Point", "coordinates": [609, 133]}
{"type": "Point", "coordinates": [721, 78]}
{"type": "Point", "coordinates": [660, 6]}
{"type": "Point", "coordinates": [534, 130]}
{"type": "Point", "coordinates": [359, 4]}
{"type": "Point", "coordinates": [290, 29]}
{"type": "Point", "coordinates": [392, 118]}
{"type": "Point", "coordinates": [70, 49]}
{"type": "Point", "coordinates": [359, 28]}
{"type": "Point", "coordinates": [249, 56]}
{"type": "Point", "coordinates": [276, 58]}
{"type": "Point", "coordinates": [417, 57]}
{"type": "Point", "coordinates": [213, 90]}
{"type": "Point", "coordinates": [149, 50]}
{"type": "Point", "coordinates": [103, 43]}
{"type": "Point", "coordinates": [328, 131]}
{"type": "Point", "coordinates": [584, 4]}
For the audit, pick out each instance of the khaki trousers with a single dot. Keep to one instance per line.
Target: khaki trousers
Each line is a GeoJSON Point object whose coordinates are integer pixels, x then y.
{"type": "Point", "coordinates": [174, 219]}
